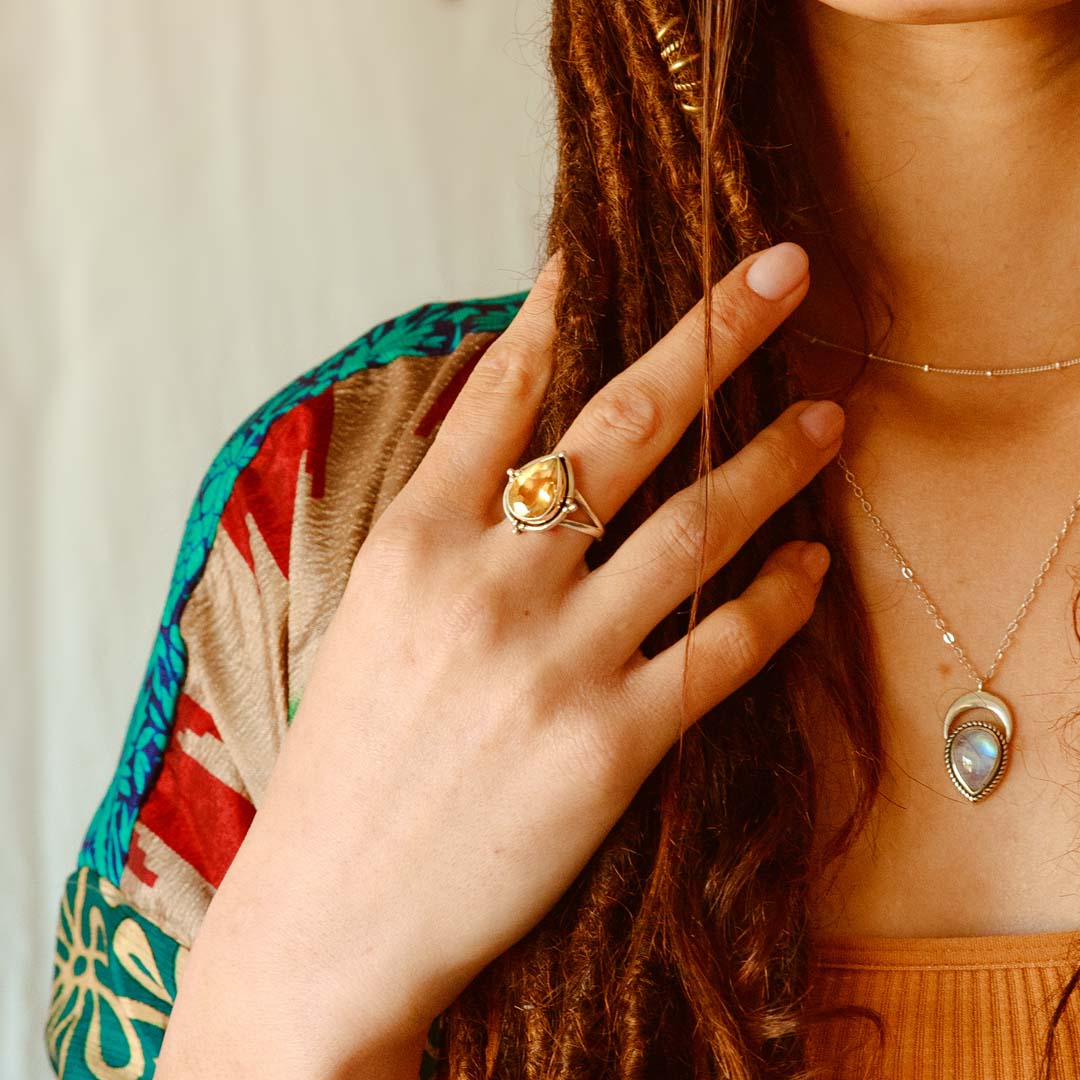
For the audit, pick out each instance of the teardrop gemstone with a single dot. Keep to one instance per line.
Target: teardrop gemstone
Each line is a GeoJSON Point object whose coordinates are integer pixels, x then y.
{"type": "Point", "coordinates": [538, 490]}
{"type": "Point", "coordinates": [975, 755]}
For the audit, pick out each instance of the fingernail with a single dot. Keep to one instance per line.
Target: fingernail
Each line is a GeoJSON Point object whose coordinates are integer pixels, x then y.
{"type": "Point", "coordinates": [822, 421]}
{"type": "Point", "coordinates": [777, 270]}
{"type": "Point", "coordinates": [815, 560]}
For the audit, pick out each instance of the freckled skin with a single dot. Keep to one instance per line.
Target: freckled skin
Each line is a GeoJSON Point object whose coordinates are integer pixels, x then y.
{"type": "Point", "coordinates": [946, 135]}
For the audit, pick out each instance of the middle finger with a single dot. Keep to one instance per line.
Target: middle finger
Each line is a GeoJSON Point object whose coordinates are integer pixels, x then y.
{"type": "Point", "coordinates": [632, 423]}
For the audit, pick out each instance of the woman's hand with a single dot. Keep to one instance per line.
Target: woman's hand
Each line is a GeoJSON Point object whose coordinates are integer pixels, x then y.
{"type": "Point", "coordinates": [480, 713]}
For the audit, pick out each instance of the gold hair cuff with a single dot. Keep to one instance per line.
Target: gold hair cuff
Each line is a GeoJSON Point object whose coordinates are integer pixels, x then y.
{"type": "Point", "coordinates": [673, 45]}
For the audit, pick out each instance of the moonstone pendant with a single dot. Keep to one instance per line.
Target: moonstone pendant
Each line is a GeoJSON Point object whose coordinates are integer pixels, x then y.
{"type": "Point", "coordinates": [977, 750]}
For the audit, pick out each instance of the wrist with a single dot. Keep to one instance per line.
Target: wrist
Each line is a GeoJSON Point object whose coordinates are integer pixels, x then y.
{"type": "Point", "coordinates": [249, 1006]}
{"type": "Point", "coordinates": [235, 1027]}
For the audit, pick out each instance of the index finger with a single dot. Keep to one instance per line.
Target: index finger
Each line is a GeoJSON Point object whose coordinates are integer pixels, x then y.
{"type": "Point", "coordinates": [491, 420]}
{"type": "Point", "coordinates": [633, 421]}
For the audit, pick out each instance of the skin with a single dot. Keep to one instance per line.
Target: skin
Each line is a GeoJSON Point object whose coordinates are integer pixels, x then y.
{"type": "Point", "coordinates": [518, 677]}
{"type": "Point", "coordinates": [952, 129]}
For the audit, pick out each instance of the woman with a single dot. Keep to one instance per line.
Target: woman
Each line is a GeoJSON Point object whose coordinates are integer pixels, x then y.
{"type": "Point", "coordinates": [514, 798]}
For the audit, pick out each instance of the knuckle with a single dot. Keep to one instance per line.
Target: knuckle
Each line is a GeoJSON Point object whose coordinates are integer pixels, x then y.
{"type": "Point", "coordinates": [396, 544]}
{"type": "Point", "coordinates": [469, 616]}
{"type": "Point", "coordinates": [782, 459]}
{"type": "Point", "coordinates": [798, 596]}
{"type": "Point", "coordinates": [742, 641]}
{"type": "Point", "coordinates": [507, 370]}
{"type": "Point", "coordinates": [731, 318]}
{"type": "Point", "coordinates": [684, 530]}
{"type": "Point", "coordinates": [629, 410]}
{"type": "Point", "coordinates": [471, 610]}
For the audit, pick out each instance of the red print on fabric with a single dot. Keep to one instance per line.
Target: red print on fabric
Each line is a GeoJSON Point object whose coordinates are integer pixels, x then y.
{"type": "Point", "coordinates": [266, 488]}
{"type": "Point", "coordinates": [136, 862]}
{"type": "Point", "coordinates": [189, 809]}
{"type": "Point", "coordinates": [191, 716]}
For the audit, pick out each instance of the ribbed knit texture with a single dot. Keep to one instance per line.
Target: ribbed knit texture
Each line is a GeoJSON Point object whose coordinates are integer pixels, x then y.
{"type": "Point", "coordinates": [960, 1008]}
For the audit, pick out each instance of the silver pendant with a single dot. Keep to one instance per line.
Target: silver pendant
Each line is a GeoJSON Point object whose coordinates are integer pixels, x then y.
{"type": "Point", "coordinates": [977, 751]}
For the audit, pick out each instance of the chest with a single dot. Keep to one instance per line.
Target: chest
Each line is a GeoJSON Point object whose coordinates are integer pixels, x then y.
{"type": "Point", "coordinates": [931, 863]}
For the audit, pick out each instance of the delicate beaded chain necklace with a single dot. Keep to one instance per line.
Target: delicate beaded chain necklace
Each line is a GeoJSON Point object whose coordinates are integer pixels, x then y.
{"type": "Point", "coordinates": [1056, 365]}
{"type": "Point", "coordinates": [976, 751]}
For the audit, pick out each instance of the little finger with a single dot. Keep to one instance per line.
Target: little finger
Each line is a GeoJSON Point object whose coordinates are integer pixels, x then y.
{"type": "Point", "coordinates": [729, 646]}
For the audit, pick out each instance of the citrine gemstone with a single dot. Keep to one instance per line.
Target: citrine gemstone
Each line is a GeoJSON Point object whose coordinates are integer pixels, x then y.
{"type": "Point", "coordinates": [536, 493]}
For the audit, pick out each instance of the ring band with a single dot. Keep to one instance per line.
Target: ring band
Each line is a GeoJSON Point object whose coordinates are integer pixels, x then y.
{"type": "Point", "coordinates": [541, 494]}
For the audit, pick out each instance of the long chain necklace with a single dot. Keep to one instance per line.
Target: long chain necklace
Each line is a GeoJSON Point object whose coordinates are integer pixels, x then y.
{"type": "Point", "coordinates": [976, 750]}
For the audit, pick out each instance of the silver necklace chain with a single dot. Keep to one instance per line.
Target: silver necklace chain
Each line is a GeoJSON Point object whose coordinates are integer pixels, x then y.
{"type": "Point", "coordinates": [976, 750]}
{"type": "Point", "coordinates": [905, 568]}
{"type": "Point", "coordinates": [1056, 365]}
{"type": "Point", "coordinates": [908, 574]}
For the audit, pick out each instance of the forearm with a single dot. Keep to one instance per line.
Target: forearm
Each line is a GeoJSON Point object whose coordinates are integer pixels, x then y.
{"type": "Point", "coordinates": [264, 993]}
{"type": "Point", "coordinates": [227, 1022]}
{"type": "Point", "coordinates": [267, 1055]}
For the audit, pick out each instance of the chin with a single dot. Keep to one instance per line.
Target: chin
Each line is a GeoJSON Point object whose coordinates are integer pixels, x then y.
{"type": "Point", "coordinates": [928, 12]}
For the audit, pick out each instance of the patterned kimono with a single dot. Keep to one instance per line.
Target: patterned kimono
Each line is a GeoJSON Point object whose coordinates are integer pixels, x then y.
{"type": "Point", "coordinates": [262, 566]}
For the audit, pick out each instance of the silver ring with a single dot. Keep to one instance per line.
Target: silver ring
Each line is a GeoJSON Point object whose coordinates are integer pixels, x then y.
{"type": "Point", "coordinates": [541, 495]}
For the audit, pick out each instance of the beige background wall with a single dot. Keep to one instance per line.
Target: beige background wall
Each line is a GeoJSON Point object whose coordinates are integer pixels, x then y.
{"type": "Point", "coordinates": [198, 201]}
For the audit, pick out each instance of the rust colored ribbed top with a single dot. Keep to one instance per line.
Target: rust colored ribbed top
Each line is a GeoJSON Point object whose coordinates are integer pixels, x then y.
{"type": "Point", "coordinates": [958, 1008]}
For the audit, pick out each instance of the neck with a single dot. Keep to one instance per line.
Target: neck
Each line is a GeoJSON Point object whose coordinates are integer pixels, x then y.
{"type": "Point", "coordinates": [949, 158]}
